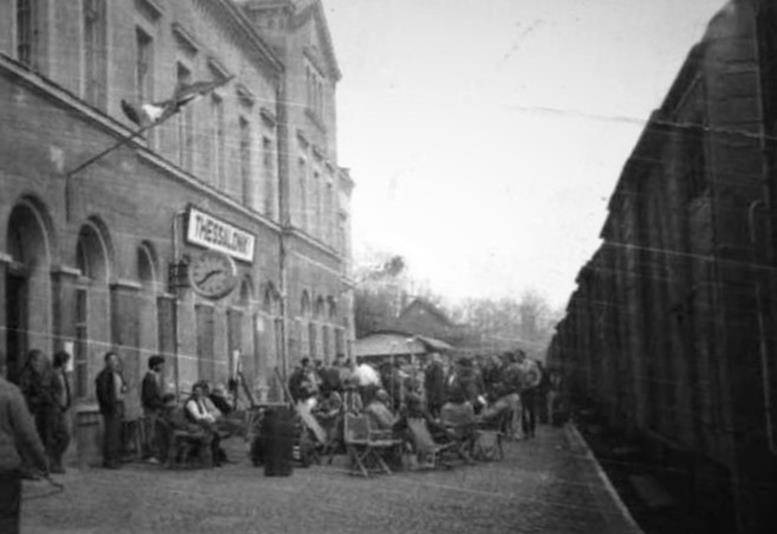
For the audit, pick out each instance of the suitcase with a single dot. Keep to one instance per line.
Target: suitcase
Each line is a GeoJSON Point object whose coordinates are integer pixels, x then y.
{"type": "Point", "coordinates": [278, 435]}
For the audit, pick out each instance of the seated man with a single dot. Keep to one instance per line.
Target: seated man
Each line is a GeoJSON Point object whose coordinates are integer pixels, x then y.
{"type": "Point", "coordinates": [458, 415]}
{"type": "Point", "coordinates": [173, 425]}
{"type": "Point", "coordinates": [197, 412]}
{"type": "Point", "coordinates": [328, 412]}
{"type": "Point", "coordinates": [379, 413]}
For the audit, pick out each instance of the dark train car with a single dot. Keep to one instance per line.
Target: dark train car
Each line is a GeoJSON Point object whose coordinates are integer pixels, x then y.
{"type": "Point", "coordinates": [670, 335]}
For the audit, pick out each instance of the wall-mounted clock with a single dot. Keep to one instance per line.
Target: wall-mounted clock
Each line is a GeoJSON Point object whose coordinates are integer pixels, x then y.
{"type": "Point", "coordinates": [212, 274]}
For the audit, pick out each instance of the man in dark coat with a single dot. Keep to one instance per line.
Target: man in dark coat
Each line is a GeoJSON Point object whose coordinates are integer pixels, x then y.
{"type": "Point", "coordinates": [110, 388]}
{"type": "Point", "coordinates": [434, 385]}
{"type": "Point", "coordinates": [18, 439]}
{"type": "Point", "coordinates": [151, 398]}
{"type": "Point", "coordinates": [37, 383]}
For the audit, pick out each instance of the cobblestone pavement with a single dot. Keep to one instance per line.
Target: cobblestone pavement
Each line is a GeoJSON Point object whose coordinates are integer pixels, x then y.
{"type": "Point", "coordinates": [549, 484]}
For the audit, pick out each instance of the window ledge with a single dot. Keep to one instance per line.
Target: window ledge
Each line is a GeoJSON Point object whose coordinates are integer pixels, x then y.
{"type": "Point", "coordinates": [315, 119]}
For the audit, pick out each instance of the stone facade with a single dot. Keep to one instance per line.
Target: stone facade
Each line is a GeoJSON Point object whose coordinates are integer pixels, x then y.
{"type": "Point", "coordinates": [670, 334]}
{"type": "Point", "coordinates": [90, 260]}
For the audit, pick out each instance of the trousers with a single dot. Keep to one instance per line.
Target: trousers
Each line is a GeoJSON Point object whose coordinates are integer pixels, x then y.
{"type": "Point", "coordinates": [112, 436]}
{"type": "Point", "coordinates": [10, 501]}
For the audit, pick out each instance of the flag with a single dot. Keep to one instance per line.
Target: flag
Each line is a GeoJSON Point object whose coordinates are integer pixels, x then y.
{"type": "Point", "coordinates": [151, 113]}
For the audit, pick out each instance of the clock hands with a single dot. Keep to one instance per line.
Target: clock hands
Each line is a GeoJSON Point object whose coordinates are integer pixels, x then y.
{"type": "Point", "coordinates": [207, 276]}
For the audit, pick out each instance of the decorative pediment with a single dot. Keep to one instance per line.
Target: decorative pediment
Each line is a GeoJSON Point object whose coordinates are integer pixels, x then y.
{"type": "Point", "coordinates": [302, 139]}
{"type": "Point", "coordinates": [186, 38]}
{"type": "Point", "coordinates": [218, 68]}
{"type": "Point", "coordinates": [268, 117]}
{"type": "Point", "coordinates": [150, 8]}
{"type": "Point", "coordinates": [322, 51]}
{"type": "Point", "coordinates": [245, 94]}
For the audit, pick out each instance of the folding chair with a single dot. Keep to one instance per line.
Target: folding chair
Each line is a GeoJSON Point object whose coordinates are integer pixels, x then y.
{"type": "Point", "coordinates": [365, 450]}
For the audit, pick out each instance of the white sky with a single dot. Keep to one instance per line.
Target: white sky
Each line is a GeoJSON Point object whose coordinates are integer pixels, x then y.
{"type": "Point", "coordinates": [445, 117]}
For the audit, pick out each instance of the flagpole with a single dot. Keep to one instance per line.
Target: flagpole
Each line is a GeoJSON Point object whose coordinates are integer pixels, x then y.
{"type": "Point", "coordinates": [113, 147]}
{"type": "Point", "coordinates": [180, 98]}
{"type": "Point", "coordinates": [97, 157]}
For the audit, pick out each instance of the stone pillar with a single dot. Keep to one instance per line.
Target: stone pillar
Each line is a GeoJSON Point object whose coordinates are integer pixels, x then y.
{"type": "Point", "coordinates": [125, 338]}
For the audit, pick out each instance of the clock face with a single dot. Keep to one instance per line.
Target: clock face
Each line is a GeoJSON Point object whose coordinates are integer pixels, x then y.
{"type": "Point", "coordinates": [212, 274]}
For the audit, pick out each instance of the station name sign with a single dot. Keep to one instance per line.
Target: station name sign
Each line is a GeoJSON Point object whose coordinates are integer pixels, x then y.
{"type": "Point", "coordinates": [210, 232]}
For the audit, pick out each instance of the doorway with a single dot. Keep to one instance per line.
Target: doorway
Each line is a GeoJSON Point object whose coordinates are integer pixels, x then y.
{"type": "Point", "coordinates": [27, 286]}
{"type": "Point", "coordinates": [16, 344]}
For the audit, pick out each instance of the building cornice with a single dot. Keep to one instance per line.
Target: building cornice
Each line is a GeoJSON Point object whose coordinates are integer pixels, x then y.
{"type": "Point", "coordinates": [242, 31]}
{"type": "Point", "coordinates": [91, 115]}
{"type": "Point", "coordinates": [64, 97]}
{"type": "Point", "coordinates": [179, 174]}
{"type": "Point", "coordinates": [66, 270]}
{"type": "Point", "coordinates": [293, 231]}
{"type": "Point", "coordinates": [316, 11]}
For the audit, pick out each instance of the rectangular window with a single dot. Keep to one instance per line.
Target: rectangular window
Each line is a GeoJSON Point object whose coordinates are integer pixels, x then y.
{"type": "Point", "coordinates": [95, 53]}
{"type": "Point", "coordinates": [218, 140]}
{"type": "Point", "coordinates": [185, 124]}
{"type": "Point", "coordinates": [339, 342]}
{"type": "Point", "coordinates": [317, 204]}
{"type": "Point", "coordinates": [268, 169]}
{"type": "Point", "coordinates": [144, 67]}
{"type": "Point", "coordinates": [27, 31]}
{"type": "Point", "coordinates": [303, 195]}
{"type": "Point", "coordinates": [245, 160]}
{"type": "Point", "coordinates": [81, 349]}
{"type": "Point", "coordinates": [312, 340]}
{"type": "Point", "coordinates": [329, 213]}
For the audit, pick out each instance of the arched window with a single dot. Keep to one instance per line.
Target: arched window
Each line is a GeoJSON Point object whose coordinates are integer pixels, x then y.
{"type": "Point", "coordinates": [27, 284]}
{"type": "Point", "coordinates": [305, 304]}
{"type": "Point", "coordinates": [319, 310]}
{"type": "Point", "coordinates": [146, 268]}
{"type": "Point", "coordinates": [92, 305]}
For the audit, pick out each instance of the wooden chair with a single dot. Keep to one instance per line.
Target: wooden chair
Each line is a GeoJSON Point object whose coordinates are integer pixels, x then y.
{"type": "Point", "coordinates": [424, 443]}
{"type": "Point", "coordinates": [366, 447]}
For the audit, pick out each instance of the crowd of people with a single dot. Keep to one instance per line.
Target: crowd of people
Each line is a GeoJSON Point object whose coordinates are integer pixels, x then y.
{"type": "Point", "coordinates": [510, 389]}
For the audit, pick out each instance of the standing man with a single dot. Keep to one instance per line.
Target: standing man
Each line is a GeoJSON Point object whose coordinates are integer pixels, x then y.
{"type": "Point", "coordinates": [530, 378]}
{"type": "Point", "coordinates": [434, 385]}
{"type": "Point", "coordinates": [151, 399]}
{"type": "Point", "coordinates": [18, 439]}
{"type": "Point", "coordinates": [37, 385]}
{"type": "Point", "coordinates": [61, 432]}
{"type": "Point", "coordinates": [110, 387]}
